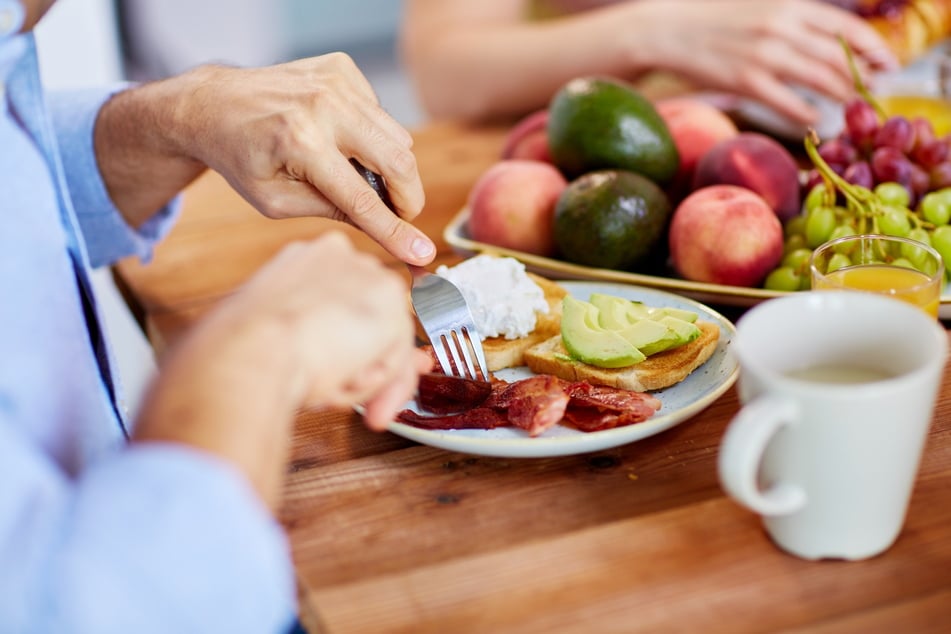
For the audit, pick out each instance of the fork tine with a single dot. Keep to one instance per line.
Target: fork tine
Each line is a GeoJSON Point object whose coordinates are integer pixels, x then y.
{"type": "Point", "coordinates": [481, 366]}
{"type": "Point", "coordinates": [439, 347]}
{"type": "Point", "coordinates": [459, 350]}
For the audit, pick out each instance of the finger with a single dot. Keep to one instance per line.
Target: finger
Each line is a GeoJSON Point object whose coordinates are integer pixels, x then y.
{"type": "Point", "coordinates": [285, 197]}
{"type": "Point", "coordinates": [387, 152]}
{"type": "Point", "coordinates": [344, 187]}
{"type": "Point", "coordinates": [861, 37]}
{"type": "Point", "coordinates": [401, 176]}
{"type": "Point", "coordinates": [384, 407]}
{"type": "Point", "coordinates": [778, 96]}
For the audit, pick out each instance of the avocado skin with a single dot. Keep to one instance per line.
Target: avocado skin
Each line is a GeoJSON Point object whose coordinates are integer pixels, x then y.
{"type": "Point", "coordinates": [597, 123]}
{"type": "Point", "coordinates": [610, 219]}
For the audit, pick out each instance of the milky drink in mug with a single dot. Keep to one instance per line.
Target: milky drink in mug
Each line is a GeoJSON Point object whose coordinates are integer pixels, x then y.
{"type": "Point", "coordinates": [837, 391]}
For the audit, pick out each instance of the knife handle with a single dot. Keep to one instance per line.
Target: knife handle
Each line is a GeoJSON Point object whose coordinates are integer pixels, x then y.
{"type": "Point", "coordinates": [375, 181]}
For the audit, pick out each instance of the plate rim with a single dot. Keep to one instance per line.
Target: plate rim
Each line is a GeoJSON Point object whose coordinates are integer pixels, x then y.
{"type": "Point", "coordinates": [586, 442]}
{"type": "Point", "coordinates": [455, 235]}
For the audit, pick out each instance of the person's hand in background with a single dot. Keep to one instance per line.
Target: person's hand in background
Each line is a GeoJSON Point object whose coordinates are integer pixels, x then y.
{"type": "Point", "coordinates": [490, 59]}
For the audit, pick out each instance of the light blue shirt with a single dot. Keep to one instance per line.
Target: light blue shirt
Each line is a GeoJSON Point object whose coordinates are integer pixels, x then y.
{"type": "Point", "coordinates": [97, 535]}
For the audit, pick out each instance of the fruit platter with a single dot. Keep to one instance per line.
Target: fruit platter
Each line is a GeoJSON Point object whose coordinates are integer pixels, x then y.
{"type": "Point", "coordinates": [605, 184]}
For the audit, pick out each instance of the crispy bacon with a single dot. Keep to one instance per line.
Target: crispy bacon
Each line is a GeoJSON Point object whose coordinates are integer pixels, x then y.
{"type": "Point", "coordinates": [536, 403]}
{"type": "Point", "coordinates": [539, 402]}
{"type": "Point", "coordinates": [441, 394]}
{"type": "Point", "coordinates": [478, 418]}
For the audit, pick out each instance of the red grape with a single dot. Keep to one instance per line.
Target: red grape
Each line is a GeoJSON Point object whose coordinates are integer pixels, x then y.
{"type": "Point", "coordinates": [941, 175]}
{"type": "Point", "coordinates": [896, 132]}
{"type": "Point", "coordinates": [924, 131]}
{"type": "Point", "coordinates": [861, 123]}
{"type": "Point", "coordinates": [920, 182]}
{"type": "Point", "coordinates": [930, 153]}
{"type": "Point", "coordinates": [860, 173]}
{"type": "Point", "coordinates": [889, 164]}
{"type": "Point", "coordinates": [838, 152]}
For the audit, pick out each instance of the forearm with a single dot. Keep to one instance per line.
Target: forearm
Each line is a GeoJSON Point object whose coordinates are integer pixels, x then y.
{"type": "Point", "coordinates": [503, 68]}
{"type": "Point", "coordinates": [227, 390]}
{"type": "Point", "coordinates": [140, 147]}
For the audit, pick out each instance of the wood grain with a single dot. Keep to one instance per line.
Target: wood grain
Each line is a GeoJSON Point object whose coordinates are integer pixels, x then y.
{"type": "Point", "coordinates": [391, 536]}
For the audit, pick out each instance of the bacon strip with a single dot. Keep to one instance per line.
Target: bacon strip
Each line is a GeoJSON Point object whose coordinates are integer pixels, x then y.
{"type": "Point", "coordinates": [441, 394]}
{"type": "Point", "coordinates": [478, 418]}
{"type": "Point", "coordinates": [536, 403]}
{"type": "Point", "coordinates": [539, 402]}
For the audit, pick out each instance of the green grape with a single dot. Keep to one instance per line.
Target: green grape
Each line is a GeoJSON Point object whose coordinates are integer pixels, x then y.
{"type": "Point", "coordinates": [838, 261]}
{"type": "Point", "coordinates": [903, 262]}
{"type": "Point", "coordinates": [915, 255]}
{"type": "Point", "coordinates": [795, 226]}
{"type": "Point", "coordinates": [841, 231]}
{"type": "Point", "coordinates": [893, 194]}
{"type": "Point", "coordinates": [805, 281]}
{"type": "Point", "coordinates": [797, 260]}
{"type": "Point", "coordinates": [819, 224]}
{"type": "Point", "coordinates": [784, 279]}
{"type": "Point", "coordinates": [815, 198]}
{"type": "Point", "coordinates": [921, 235]}
{"type": "Point", "coordinates": [793, 242]}
{"type": "Point", "coordinates": [936, 208]}
{"type": "Point", "coordinates": [941, 241]}
{"type": "Point", "coordinates": [894, 222]}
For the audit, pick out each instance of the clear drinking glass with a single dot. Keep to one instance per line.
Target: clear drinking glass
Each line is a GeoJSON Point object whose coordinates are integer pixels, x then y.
{"type": "Point", "coordinates": [888, 265]}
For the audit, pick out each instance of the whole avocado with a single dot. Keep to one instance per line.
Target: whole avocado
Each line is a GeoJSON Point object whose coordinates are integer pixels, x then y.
{"type": "Point", "coordinates": [602, 123]}
{"type": "Point", "coordinates": [610, 219]}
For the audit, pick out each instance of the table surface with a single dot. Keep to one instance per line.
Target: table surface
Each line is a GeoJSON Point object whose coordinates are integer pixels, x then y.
{"type": "Point", "coordinates": [392, 536]}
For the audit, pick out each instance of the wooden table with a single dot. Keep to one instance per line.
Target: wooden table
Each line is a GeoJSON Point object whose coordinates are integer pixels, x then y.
{"type": "Point", "coordinates": [391, 536]}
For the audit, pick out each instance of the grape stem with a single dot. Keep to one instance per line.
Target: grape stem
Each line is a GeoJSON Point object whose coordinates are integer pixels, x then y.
{"type": "Point", "coordinates": [851, 194]}
{"type": "Point", "coordinates": [860, 86]}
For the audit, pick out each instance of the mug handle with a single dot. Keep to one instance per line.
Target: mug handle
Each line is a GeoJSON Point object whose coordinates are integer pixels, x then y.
{"type": "Point", "coordinates": [741, 453]}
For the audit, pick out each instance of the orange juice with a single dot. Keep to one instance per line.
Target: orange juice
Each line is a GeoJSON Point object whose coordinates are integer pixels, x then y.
{"type": "Point", "coordinates": [903, 283]}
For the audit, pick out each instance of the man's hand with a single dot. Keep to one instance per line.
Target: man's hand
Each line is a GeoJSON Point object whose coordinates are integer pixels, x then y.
{"type": "Point", "coordinates": [319, 325]}
{"type": "Point", "coordinates": [282, 136]}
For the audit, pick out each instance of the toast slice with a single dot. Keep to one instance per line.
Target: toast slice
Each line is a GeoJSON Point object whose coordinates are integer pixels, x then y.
{"type": "Point", "coordinates": [509, 353]}
{"type": "Point", "coordinates": [654, 373]}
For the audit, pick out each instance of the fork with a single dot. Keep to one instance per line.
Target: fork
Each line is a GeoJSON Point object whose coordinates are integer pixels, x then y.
{"type": "Point", "coordinates": [441, 309]}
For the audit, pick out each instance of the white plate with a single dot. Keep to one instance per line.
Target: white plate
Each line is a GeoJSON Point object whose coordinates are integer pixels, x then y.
{"type": "Point", "coordinates": [457, 235]}
{"type": "Point", "coordinates": [679, 402]}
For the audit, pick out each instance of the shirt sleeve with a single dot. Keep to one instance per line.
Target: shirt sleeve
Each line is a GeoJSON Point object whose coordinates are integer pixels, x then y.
{"type": "Point", "coordinates": [106, 234]}
{"type": "Point", "coordinates": [158, 538]}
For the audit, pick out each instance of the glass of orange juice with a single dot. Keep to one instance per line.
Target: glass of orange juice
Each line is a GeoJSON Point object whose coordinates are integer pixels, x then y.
{"type": "Point", "coordinates": [899, 267]}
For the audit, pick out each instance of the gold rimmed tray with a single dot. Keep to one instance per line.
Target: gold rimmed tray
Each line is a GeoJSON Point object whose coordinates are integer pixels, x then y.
{"type": "Point", "coordinates": [457, 235]}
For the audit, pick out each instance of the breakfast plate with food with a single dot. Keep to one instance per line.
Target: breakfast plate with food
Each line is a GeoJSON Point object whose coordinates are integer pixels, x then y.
{"type": "Point", "coordinates": [686, 368]}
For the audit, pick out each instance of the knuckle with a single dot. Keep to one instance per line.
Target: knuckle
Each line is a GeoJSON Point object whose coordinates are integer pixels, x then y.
{"type": "Point", "coordinates": [404, 163]}
{"type": "Point", "coordinates": [364, 202]}
{"type": "Point", "coordinates": [274, 206]}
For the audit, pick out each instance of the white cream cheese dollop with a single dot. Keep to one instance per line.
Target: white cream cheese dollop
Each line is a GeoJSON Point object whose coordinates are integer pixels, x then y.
{"type": "Point", "coordinates": [503, 299]}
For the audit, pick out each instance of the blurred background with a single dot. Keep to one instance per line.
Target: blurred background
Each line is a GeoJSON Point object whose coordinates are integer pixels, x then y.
{"type": "Point", "coordinates": [85, 43]}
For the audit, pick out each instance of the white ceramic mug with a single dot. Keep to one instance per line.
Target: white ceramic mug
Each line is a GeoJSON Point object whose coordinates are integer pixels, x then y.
{"type": "Point", "coordinates": [829, 458]}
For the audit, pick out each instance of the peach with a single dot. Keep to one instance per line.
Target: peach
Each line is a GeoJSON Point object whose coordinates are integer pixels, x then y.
{"type": "Point", "coordinates": [512, 205]}
{"type": "Point", "coordinates": [528, 139]}
{"type": "Point", "coordinates": [757, 162]}
{"type": "Point", "coordinates": [724, 234]}
{"type": "Point", "coordinates": [696, 126]}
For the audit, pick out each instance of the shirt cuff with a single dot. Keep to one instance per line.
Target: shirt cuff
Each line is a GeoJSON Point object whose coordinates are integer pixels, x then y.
{"type": "Point", "coordinates": [107, 235]}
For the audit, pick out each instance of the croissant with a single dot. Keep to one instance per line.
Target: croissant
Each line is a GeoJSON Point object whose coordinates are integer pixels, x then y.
{"type": "Point", "coordinates": [910, 27]}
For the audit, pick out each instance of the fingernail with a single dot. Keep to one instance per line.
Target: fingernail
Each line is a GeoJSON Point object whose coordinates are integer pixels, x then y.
{"type": "Point", "coordinates": [422, 247]}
